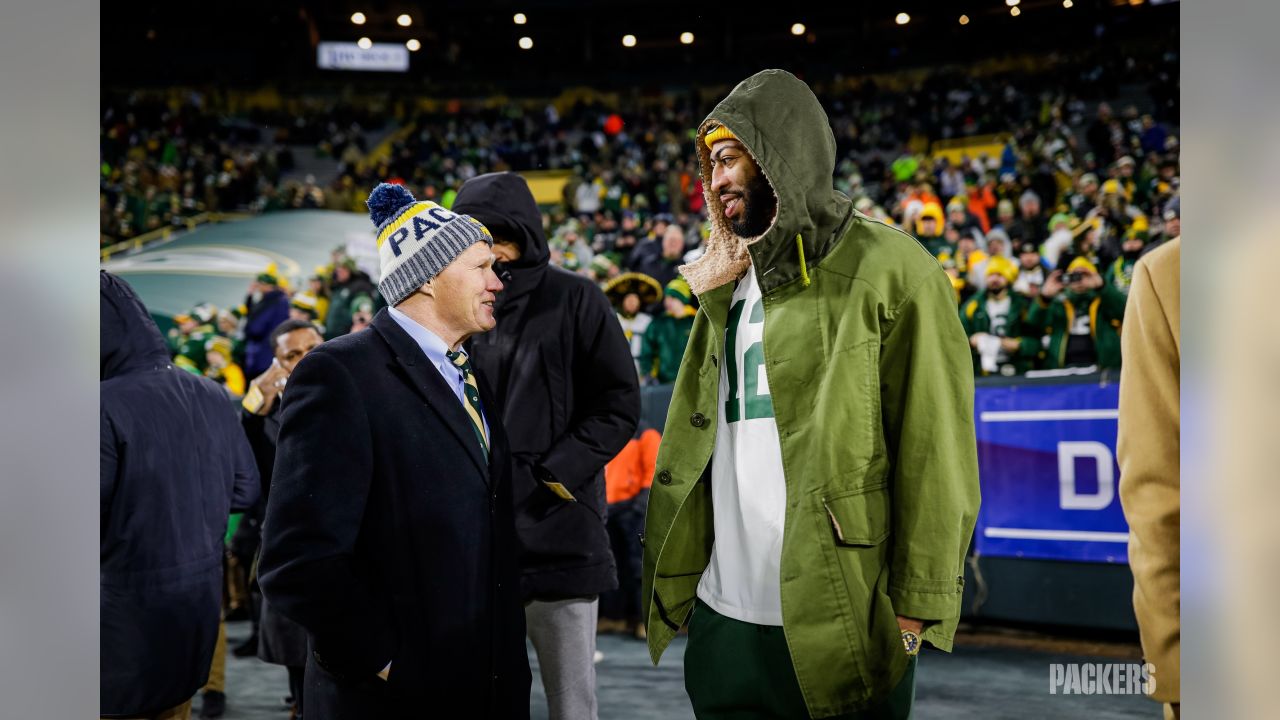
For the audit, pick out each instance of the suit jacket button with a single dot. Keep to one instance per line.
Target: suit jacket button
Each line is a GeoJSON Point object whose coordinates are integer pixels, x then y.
{"type": "Point", "coordinates": [698, 420]}
{"type": "Point", "coordinates": [664, 477]}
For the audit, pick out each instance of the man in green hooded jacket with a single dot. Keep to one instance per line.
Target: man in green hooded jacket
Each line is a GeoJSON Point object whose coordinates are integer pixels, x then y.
{"type": "Point", "coordinates": [817, 485]}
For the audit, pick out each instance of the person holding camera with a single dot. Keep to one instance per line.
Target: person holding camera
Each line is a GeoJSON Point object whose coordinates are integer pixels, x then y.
{"type": "Point", "coordinates": [1081, 316]}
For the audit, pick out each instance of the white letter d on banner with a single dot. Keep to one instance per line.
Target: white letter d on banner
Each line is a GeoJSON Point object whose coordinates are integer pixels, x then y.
{"type": "Point", "coordinates": [1068, 498]}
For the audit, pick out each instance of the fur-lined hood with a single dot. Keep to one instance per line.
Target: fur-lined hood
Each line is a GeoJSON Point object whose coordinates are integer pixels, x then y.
{"type": "Point", "coordinates": [784, 128]}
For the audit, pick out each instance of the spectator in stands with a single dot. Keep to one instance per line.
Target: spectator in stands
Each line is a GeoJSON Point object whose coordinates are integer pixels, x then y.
{"type": "Point", "coordinates": [268, 306]}
{"type": "Point", "coordinates": [1119, 273]}
{"type": "Point", "coordinates": [630, 293]}
{"type": "Point", "coordinates": [1084, 244]}
{"type": "Point", "coordinates": [660, 259]}
{"type": "Point", "coordinates": [959, 217]}
{"type": "Point", "coordinates": [569, 400]}
{"type": "Point", "coordinates": [1172, 225]}
{"type": "Point", "coordinates": [174, 465]}
{"type": "Point", "coordinates": [361, 312]}
{"type": "Point", "coordinates": [668, 334]}
{"type": "Point", "coordinates": [929, 229]}
{"type": "Point", "coordinates": [995, 321]}
{"type": "Point", "coordinates": [280, 640]}
{"type": "Point", "coordinates": [1086, 196]}
{"type": "Point", "coordinates": [221, 368]}
{"type": "Point", "coordinates": [1032, 271]}
{"type": "Point", "coordinates": [349, 282]}
{"type": "Point", "coordinates": [193, 331]}
{"type": "Point", "coordinates": [318, 286]}
{"type": "Point", "coordinates": [1030, 219]}
{"type": "Point", "coordinates": [1081, 315]}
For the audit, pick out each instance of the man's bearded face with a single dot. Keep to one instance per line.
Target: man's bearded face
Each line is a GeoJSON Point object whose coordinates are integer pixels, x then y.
{"type": "Point", "coordinates": [746, 196]}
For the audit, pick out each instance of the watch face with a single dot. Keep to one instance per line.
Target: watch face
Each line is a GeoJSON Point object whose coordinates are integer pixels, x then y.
{"type": "Point", "coordinates": [911, 642]}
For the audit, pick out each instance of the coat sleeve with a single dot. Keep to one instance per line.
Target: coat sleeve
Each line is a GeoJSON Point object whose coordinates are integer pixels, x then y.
{"type": "Point", "coordinates": [926, 391]}
{"type": "Point", "coordinates": [108, 460]}
{"type": "Point", "coordinates": [246, 486]}
{"type": "Point", "coordinates": [606, 397]}
{"type": "Point", "coordinates": [320, 485]}
{"type": "Point", "coordinates": [1147, 451]}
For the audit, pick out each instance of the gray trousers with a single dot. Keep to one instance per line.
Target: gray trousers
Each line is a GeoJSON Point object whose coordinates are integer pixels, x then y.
{"type": "Point", "coordinates": [563, 633]}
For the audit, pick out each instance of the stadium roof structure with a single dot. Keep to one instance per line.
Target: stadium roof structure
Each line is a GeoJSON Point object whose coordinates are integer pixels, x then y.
{"type": "Point", "coordinates": [215, 263]}
{"type": "Point", "coordinates": [473, 48]}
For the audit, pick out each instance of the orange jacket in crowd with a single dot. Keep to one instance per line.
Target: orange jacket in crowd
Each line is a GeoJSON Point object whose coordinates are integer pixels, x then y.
{"type": "Point", "coordinates": [632, 470]}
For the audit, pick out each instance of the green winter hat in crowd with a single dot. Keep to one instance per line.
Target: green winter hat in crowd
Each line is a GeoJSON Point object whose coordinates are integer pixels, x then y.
{"type": "Point", "coordinates": [679, 289]}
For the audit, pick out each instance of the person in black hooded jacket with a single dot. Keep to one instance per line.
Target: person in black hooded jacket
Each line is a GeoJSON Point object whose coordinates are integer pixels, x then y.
{"type": "Point", "coordinates": [174, 465]}
{"type": "Point", "coordinates": [570, 400]}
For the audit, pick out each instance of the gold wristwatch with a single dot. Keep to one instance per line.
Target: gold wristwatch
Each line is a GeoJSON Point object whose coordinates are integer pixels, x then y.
{"type": "Point", "coordinates": [911, 641]}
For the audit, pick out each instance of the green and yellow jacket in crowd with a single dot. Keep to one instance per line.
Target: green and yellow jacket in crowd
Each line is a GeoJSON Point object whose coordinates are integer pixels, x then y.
{"type": "Point", "coordinates": [872, 391]}
{"type": "Point", "coordinates": [190, 354]}
{"type": "Point", "coordinates": [975, 319]}
{"type": "Point", "coordinates": [663, 345]}
{"type": "Point", "coordinates": [1054, 318]}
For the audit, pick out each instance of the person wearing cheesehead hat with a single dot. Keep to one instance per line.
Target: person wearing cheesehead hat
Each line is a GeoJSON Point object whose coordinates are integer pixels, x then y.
{"type": "Point", "coordinates": [826, 397]}
{"type": "Point", "coordinates": [666, 337]}
{"type": "Point", "coordinates": [1081, 314]}
{"type": "Point", "coordinates": [389, 534]}
{"type": "Point", "coordinates": [630, 293]}
{"type": "Point", "coordinates": [995, 321]}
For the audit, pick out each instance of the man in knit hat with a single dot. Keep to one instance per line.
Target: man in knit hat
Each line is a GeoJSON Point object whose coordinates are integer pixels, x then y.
{"type": "Point", "coordinates": [665, 339]}
{"type": "Point", "coordinates": [995, 321]}
{"type": "Point", "coordinates": [1081, 314]}
{"type": "Point", "coordinates": [389, 534]}
{"type": "Point", "coordinates": [817, 483]}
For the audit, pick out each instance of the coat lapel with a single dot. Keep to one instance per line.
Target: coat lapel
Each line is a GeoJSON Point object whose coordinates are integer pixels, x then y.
{"type": "Point", "coordinates": [423, 377]}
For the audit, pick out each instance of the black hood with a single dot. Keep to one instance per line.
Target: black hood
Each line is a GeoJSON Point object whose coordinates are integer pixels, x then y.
{"type": "Point", "coordinates": [130, 340]}
{"type": "Point", "coordinates": [503, 201]}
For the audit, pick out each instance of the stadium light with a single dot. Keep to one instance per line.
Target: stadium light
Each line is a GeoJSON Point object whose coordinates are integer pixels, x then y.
{"type": "Point", "coordinates": [526, 43]}
{"type": "Point", "coordinates": [686, 38]}
{"type": "Point", "coordinates": [357, 18]}
{"type": "Point", "coordinates": [964, 19]}
{"type": "Point", "coordinates": [1067, 4]}
{"type": "Point", "coordinates": [628, 41]}
{"type": "Point", "coordinates": [364, 43]}
{"type": "Point", "coordinates": [413, 45]}
{"type": "Point", "coordinates": [1012, 3]}
{"type": "Point", "coordinates": [902, 19]}
{"type": "Point", "coordinates": [797, 29]}
{"type": "Point", "coordinates": [404, 21]}
{"type": "Point", "coordinates": [520, 19]}
{"type": "Point", "coordinates": [1015, 11]}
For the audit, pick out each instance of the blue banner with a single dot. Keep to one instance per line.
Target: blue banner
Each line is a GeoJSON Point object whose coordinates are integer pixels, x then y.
{"type": "Point", "coordinates": [1050, 482]}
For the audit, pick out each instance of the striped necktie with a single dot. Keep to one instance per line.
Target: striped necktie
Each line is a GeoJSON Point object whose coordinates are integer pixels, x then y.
{"type": "Point", "coordinates": [472, 393]}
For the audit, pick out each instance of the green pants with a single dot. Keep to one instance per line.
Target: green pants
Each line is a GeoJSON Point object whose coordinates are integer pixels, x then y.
{"type": "Point", "coordinates": [740, 671]}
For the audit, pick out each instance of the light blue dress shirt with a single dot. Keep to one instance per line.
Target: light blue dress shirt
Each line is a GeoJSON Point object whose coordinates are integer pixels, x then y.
{"type": "Point", "coordinates": [435, 349]}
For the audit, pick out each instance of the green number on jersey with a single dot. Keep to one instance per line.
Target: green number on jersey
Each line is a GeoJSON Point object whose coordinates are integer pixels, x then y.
{"type": "Point", "coordinates": [757, 405]}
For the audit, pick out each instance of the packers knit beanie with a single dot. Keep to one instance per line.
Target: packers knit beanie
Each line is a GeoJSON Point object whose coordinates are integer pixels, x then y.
{"type": "Point", "coordinates": [717, 134]}
{"type": "Point", "coordinates": [417, 239]}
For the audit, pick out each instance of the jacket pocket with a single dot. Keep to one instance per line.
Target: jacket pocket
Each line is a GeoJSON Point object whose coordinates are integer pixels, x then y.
{"type": "Point", "coordinates": [848, 398]}
{"type": "Point", "coordinates": [859, 517]}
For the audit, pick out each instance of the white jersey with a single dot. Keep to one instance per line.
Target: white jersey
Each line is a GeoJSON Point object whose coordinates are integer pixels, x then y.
{"type": "Point", "coordinates": [748, 489]}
